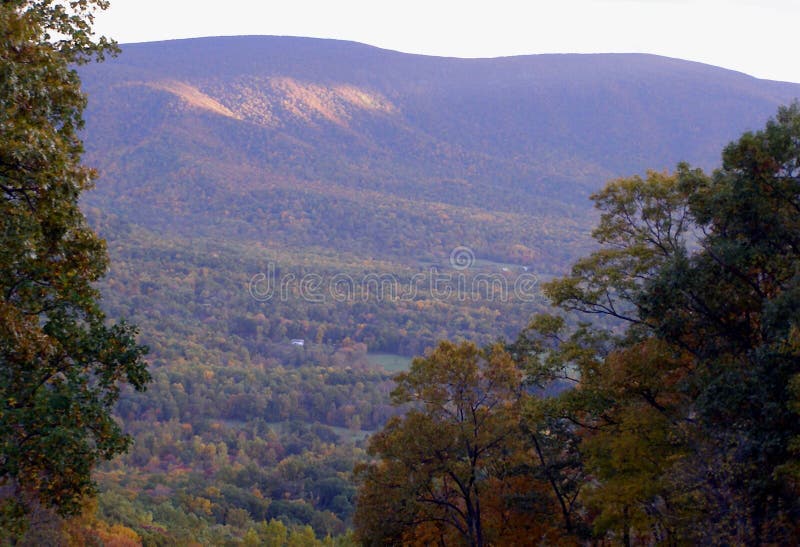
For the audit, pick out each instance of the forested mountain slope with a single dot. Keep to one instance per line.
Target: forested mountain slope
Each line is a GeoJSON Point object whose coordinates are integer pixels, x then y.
{"type": "Point", "coordinates": [306, 142]}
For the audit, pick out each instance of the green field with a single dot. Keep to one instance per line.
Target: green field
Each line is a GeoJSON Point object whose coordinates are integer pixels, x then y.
{"type": "Point", "coordinates": [390, 361]}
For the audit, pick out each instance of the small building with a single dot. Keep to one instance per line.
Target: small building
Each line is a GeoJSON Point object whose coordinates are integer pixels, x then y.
{"type": "Point", "coordinates": [298, 342]}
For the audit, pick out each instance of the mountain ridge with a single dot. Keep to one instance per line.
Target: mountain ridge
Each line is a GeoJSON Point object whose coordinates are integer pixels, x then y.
{"type": "Point", "coordinates": [362, 149]}
{"type": "Point", "coordinates": [213, 125]}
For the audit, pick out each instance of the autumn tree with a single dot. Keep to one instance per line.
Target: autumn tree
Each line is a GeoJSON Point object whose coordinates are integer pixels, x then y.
{"type": "Point", "coordinates": [61, 364]}
{"type": "Point", "coordinates": [447, 471]}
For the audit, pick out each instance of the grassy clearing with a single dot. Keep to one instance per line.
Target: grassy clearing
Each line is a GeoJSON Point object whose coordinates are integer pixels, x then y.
{"type": "Point", "coordinates": [390, 361]}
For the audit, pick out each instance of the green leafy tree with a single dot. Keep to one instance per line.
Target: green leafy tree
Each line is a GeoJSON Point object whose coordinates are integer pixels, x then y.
{"type": "Point", "coordinates": [61, 365]}
{"type": "Point", "coordinates": [733, 306]}
{"type": "Point", "coordinates": [687, 406]}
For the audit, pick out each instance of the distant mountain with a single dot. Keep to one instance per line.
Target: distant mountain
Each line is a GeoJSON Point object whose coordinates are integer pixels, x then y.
{"type": "Point", "coordinates": [297, 142]}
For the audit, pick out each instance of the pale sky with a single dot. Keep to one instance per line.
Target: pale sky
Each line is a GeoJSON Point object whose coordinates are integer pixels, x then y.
{"type": "Point", "coordinates": [758, 37]}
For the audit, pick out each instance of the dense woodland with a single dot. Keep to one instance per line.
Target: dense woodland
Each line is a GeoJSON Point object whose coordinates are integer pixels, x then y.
{"type": "Point", "coordinates": [200, 293]}
{"type": "Point", "coordinates": [646, 393]}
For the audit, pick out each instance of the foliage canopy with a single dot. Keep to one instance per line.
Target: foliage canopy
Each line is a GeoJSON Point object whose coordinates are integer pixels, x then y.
{"type": "Point", "coordinates": [694, 399]}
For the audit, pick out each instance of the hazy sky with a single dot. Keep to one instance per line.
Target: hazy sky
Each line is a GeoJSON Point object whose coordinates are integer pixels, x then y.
{"type": "Point", "coordinates": [758, 37]}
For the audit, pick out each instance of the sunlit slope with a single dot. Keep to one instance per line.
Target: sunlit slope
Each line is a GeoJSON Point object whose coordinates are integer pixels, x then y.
{"type": "Point", "coordinates": [300, 142]}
